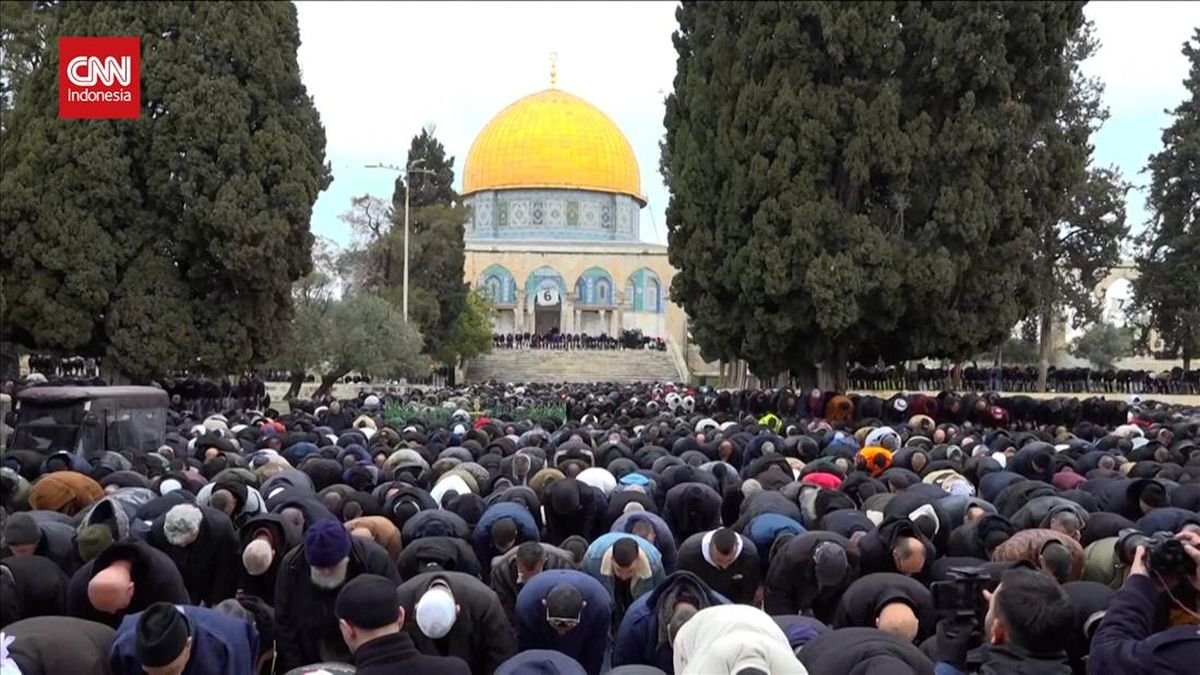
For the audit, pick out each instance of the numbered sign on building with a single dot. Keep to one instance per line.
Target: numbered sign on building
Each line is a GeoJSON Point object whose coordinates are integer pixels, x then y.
{"type": "Point", "coordinates": [547, 296]}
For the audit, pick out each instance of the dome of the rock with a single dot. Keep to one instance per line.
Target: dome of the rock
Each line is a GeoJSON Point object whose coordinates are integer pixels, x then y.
{"type": "Point", "coordinates": [552, 140]}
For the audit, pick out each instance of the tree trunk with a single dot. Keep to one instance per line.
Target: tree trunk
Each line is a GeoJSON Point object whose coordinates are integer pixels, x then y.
{"type": "Point", "coordinates": [833, 375]}
{"type": "Point", "coordinates": [806, 377]}
{"type": "Point", "coordinates": [294, 385]}
{"type": "Point", "coordinates": [1187, 356]}
{"type": "Point", "coordinates": [112, 375]}
{"type": "Point", "coordinates": [327, 382]}
{"type": "Point", "coordinates": [841, 372]}
{"type": "Point", "coordinates": [1045, 346]}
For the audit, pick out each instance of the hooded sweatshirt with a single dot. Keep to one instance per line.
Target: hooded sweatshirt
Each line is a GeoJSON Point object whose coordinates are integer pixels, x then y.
{"type": "Point", "coordinates": [730, 638]}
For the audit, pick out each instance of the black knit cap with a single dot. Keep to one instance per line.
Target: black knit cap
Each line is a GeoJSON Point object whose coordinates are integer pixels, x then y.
{"type": "Point", "coordinates": [162, 633]}
{"type": "Point", "coordinates": [368, 601]}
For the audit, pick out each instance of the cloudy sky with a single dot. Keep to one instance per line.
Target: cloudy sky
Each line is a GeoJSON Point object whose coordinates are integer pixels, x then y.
{"type": "Point", "coordinates": [380, 71]}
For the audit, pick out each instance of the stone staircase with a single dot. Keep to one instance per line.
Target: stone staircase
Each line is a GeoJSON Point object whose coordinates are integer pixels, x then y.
{"type": "Point", "coordinates": [541, 365]}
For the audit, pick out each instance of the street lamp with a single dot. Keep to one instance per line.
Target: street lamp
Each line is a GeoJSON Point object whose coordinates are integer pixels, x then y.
{"type": "Point", "coordinates": [410, 169]}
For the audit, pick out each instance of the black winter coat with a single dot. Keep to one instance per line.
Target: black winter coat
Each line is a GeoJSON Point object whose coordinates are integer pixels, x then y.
{"type": "Point", "coordinates": [584, 520]}
{"type": "Point", "coordinates": [739, 582]}
{"type": "Point", "coordinates": [767, 502]}
{"type": "Point", "coordinates": [481, 635]}
{"type": "Point", "coordinates": [447, 554]}
{"type": "Point", "coordinates": [284, 537]}
{"type": "Point", "coordinates": [155, 579]}
{"type": "Point", "coordinates": [210, 564]}
{"type": "Point", "coordinates": [861, 603]}
{"type": "Point", "coordinates": [1036, 512]}
{"type": "Point", "coordinates": [304, 613]}
{"type": "Point", "coordinates": [876, 547]}
{"type": "Point", "coordinates": [863, 650]}
{"type": "Point", "coordinates": [792, 587]}
{"type": "Point", "coordinates": [691, 508]}
{"type": "Point", "coordinates": [38, 588]}
{"type": "Point", "coordinates": [395, 653]}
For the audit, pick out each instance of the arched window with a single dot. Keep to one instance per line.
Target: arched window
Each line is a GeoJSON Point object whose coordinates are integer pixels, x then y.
{"type": "Point", "coordinates": [594, 287]}
{"type": "Point", "coordinates": [644, 290]}
{"type": "Point", "coordinates": [494, 288]}
{"type": "Point", "coordinates": [653, 296]}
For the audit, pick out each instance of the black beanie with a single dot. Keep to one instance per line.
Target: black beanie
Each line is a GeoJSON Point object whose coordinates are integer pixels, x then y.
{"type": "Point", "coordinates": [162, 633]}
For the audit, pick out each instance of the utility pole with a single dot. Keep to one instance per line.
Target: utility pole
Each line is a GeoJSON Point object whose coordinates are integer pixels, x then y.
{"type": "Point", "coordinates": [408, 171]}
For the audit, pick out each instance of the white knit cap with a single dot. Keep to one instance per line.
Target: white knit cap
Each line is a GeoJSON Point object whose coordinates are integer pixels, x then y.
{"type": "Point", "coordinates": [435, 612]}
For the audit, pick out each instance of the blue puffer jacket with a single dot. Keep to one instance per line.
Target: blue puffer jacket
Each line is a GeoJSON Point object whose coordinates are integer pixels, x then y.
{"type": "Point", "coordinates": [763, 530]}
{"type": "Point", "coordinates": [527, 529]}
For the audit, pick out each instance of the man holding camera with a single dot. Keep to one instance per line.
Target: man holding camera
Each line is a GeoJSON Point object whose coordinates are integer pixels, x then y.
{"type": "Point", "coordinates": [1028, 615]}
{"type": "Point", "coordinates": [1127, 641]}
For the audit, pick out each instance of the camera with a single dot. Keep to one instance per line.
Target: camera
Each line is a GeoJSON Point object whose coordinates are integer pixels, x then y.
{"type": "Point", "coordinates": [962, 596]}
{"type": "Point", "coordinates": [1165, 554]}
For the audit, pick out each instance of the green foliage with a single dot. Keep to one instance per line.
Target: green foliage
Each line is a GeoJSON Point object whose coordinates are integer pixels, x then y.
{"type": "Point", "coordinates": [24, 27]}
{"type": "Point", "coordinates": [1102, 344]}
{"type": "Point", "coordinates": [399, 416]}
{"type": "Point", "coordinates": [535, 412]}
{"type": "Point", "coordinates": [429, 189]}
{"type": "Point", "coordinates": [172, 240]}
{"type": "Point", "coordinates": [437, 292]}
{"type": "Point", "coordinates": [363, 333]}
{"type": "Point", "coordinates": [1078, 210]}
{"type": "Point", "coordinates": [472, 332]}
{"type": "Point", "coordinates": [849, 179]}
{"type": "Point", "coordinates": [1167, 293]}
{"type": "Point", "coordinates": [1013, 351]}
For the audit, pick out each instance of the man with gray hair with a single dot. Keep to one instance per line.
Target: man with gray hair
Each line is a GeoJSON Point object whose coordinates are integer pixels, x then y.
{"type": "Point", "coordinates": [204, 546]}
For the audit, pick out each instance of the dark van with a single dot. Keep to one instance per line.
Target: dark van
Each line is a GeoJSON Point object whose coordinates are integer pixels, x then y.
{"type": "Point", "coordinates": [89, 420]}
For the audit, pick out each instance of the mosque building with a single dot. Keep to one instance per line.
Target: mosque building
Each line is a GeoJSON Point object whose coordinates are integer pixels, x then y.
{"type": "Point", "coordinates": [554, 238]}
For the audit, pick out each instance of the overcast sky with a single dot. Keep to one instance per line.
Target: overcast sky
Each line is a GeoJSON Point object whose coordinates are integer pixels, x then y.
{"type": "Point", "coordinates": [380, 71]}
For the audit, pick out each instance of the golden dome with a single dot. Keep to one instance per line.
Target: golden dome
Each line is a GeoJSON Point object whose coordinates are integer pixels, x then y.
{"type": "Point", "coordinates": [552, 139]}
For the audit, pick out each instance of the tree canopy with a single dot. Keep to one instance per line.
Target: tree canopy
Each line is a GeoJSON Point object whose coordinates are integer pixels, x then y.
{"type": "Point", "coordinates": [437, 292]}
{"type": "Point", "coordinates": [362, 333]}
{"type": "Point", "coordinates": [472, 331]}
{"type": "Point", "coordinates": [172, 240]}
{"type": "Point", "coordinates": [1167, 292]}
{"type": "Point", "coordinates": [1078, 209]}
{"type": "Point", "coordinates": [1102, 344]}
{"type": "Point", "coordinates": [849, 179]}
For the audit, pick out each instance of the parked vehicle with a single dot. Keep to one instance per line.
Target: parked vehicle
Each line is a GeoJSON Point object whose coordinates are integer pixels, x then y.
{"type": "Point", "coordinates": [90, 420]}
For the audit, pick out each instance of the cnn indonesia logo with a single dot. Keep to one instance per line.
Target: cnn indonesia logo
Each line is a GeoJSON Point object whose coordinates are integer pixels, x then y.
{"type": "Point", "coordinates": [99, 78]}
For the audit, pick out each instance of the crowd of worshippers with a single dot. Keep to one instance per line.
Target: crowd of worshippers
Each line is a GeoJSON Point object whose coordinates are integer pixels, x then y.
{"type": "Point", "coordinates": [1025, 379]}
{"type": "Point", "coordinates": [655, 530]}
{"type": "Point", "coordinates": [557, 340]}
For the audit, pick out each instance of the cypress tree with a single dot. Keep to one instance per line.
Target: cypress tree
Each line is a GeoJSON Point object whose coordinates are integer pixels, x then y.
{"type": "Point", "coordinates": [171, 240]}
{"type": "Point", "coordinates": [848, 178]}
{"type": "Point", "coordinates": [1167, 291]}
